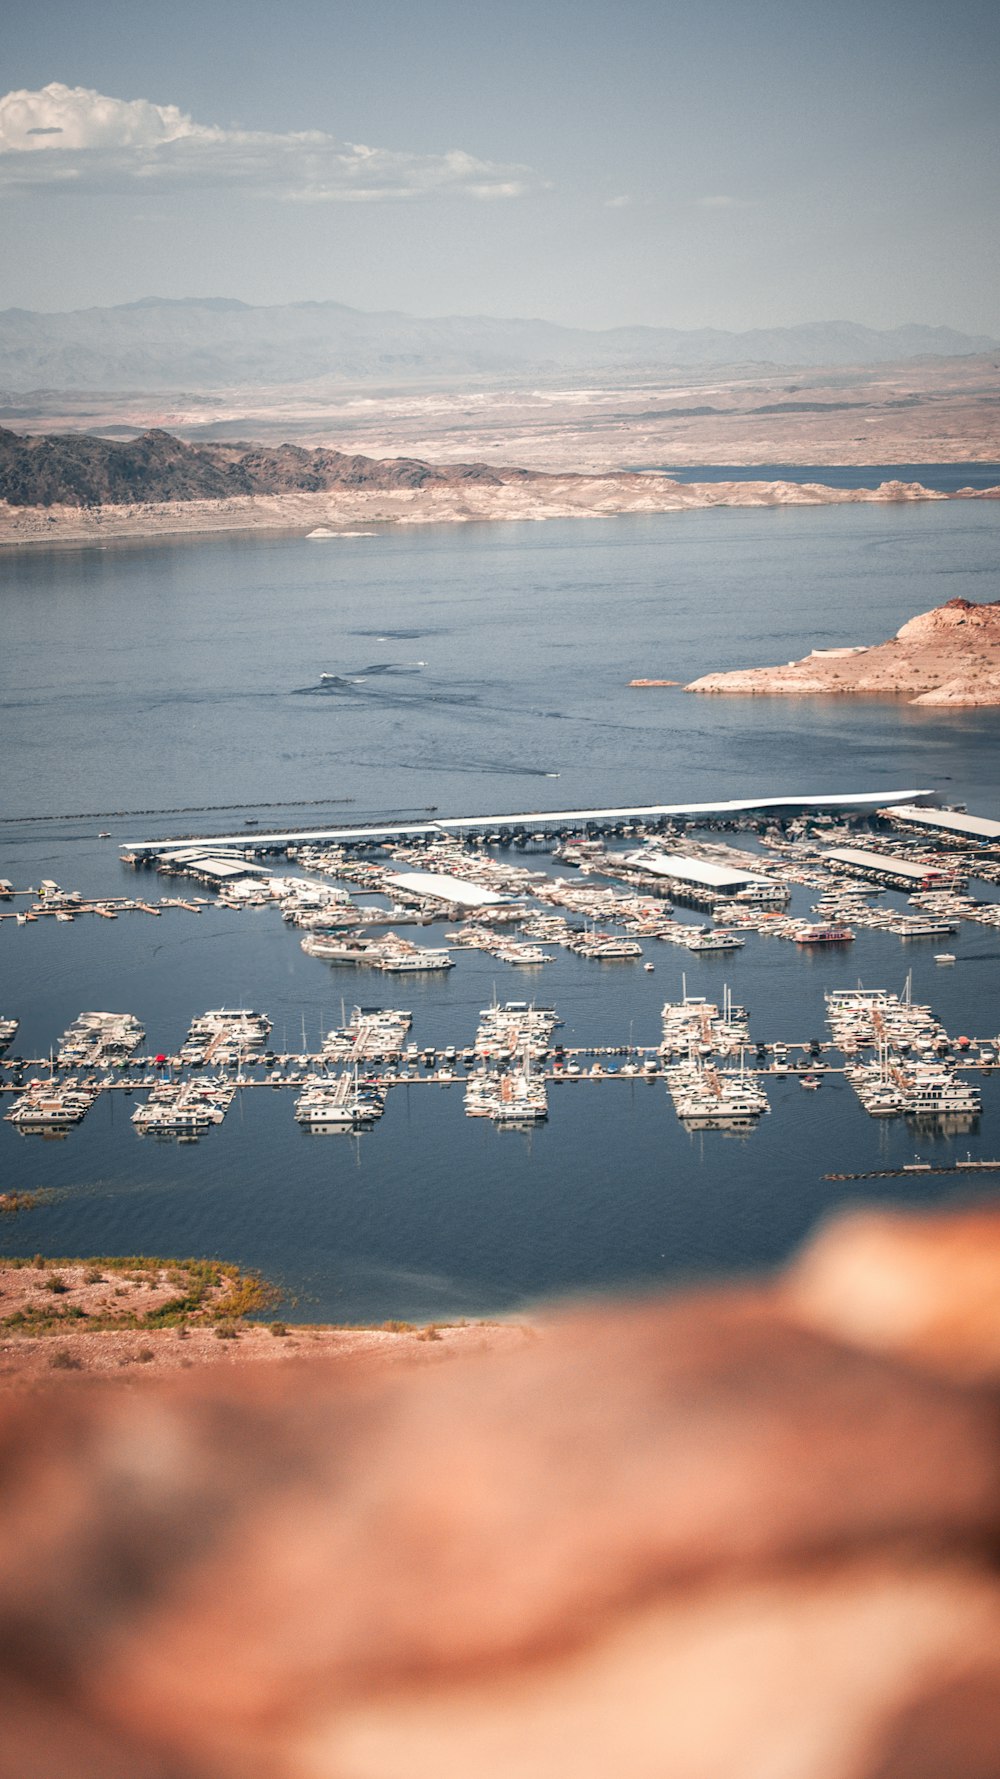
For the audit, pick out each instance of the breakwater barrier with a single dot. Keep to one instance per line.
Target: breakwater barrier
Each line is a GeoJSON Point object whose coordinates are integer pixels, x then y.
{"type": "Point", "coordinates": [545, 820]}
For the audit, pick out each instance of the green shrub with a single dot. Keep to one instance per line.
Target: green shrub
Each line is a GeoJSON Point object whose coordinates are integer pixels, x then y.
{"type": "Point", "coordinates": [63, 1360]}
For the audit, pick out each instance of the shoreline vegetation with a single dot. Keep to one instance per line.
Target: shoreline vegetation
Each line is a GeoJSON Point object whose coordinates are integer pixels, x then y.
{"type": "Point", "coordinates": [81, 489]}
{"type": "Point", "coordinates": [106, 1314]}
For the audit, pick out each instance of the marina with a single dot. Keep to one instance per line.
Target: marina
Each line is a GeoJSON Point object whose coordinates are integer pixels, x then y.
{"type": "Point", "coordinates": [423, 1211]}
{"type": "Point", "coordinates": [899, 1060]}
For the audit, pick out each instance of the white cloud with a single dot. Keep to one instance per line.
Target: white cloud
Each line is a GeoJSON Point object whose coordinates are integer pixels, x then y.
{"type": "Point", "coordinates": [74, 138]}
{"type": "Point", "coordinates": [623, 202]}
{"type": "Point", "coordinates": [720, 201]}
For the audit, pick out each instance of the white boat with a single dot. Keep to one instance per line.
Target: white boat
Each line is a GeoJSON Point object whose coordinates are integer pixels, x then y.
{"type": "Point", "coordinates": [408, 963]}
{"type": "Point", "coordinates": [701, 939]}
{"type": "Point", "coordinates": [325, 1114]}
{"type": "Point", "coordinates": [818, 933]}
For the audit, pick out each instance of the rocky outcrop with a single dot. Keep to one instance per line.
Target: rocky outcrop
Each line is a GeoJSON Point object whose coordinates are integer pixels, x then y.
{"type": "Point", "coordinates": [949, 656]}
{"type": "Point", "coordinates": [62, 489]}
{"type": "Point", "coordinates": [748, 1531]}
{"type": "Point", "coordinates": [81, 471]}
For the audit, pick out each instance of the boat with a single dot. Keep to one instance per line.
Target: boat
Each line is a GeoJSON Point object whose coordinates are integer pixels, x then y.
{"type": "Point", "coordinates": [709, 941]}
{"type": "Point", "coordinates": [944, 957]}
{"type": "Point", "coordinates": [47, 1106]}
{"type": "Point", "coordinates": [815, 933]}
{"type": "Point", "coordinates": [406, 963]}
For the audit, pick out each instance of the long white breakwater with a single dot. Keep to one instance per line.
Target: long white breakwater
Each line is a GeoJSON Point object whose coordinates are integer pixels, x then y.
{"type": "Point", "coordinates": [859, 803]}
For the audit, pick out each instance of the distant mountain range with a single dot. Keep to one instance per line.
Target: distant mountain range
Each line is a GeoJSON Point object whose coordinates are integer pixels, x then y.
{"type": "Point", "coordinates": [219, 343]}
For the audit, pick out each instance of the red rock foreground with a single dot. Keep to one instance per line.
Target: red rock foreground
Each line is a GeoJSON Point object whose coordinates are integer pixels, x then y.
{"type": "Point", "coordinates": [742, 1534]}
{"type": "Point", "coordinates": [947, 656]}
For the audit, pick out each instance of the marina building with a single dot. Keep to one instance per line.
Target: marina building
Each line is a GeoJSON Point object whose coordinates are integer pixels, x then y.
{"type": "Point", "coordinates": [697, 874]}
{"type": "Point", "coordinates": [947, 824]}
{"type": "Point", "coordinates": [437, 886]}
{"type": "Point", "coordinates": [884, 868]}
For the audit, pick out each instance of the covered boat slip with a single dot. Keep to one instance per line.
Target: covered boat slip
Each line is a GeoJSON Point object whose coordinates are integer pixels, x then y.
{"type": "Point", "coordinates": [883, 867]}
{"type": "Point", "coordinates": [949, 823]}
{"type": "Point", "coordinates": [853, 803]}
{"type": "Point", "coordinates": [435, 886]}
{"type": "Point", "coordinates": [701, 873]}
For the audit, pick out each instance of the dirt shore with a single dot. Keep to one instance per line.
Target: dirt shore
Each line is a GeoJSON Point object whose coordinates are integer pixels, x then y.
{"type": "Point", "coordinates": [345, 510]}
{"type": "Point", "coordinates": [108, 1317]}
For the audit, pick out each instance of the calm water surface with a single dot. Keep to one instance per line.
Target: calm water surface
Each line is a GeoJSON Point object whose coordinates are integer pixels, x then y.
{"type": "Point", "coordinates": [480, 668]}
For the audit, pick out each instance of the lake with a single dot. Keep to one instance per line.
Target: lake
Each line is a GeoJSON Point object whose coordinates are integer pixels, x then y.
{"type": "Point", "coordinates": [479, 669]}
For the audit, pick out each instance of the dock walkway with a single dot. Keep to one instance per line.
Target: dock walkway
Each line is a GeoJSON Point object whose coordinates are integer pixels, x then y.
{"type": "Point", "coordinates": [859, 803]}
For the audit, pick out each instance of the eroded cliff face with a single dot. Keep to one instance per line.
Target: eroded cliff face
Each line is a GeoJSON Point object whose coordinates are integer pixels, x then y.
{"type": "Point", "coordinates": [741, 1532]}
{"type": "Point", "coordinates": [949, 656]}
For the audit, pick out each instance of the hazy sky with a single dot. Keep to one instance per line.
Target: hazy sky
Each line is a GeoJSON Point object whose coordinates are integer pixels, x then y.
{"type": "Point", "coordinates": [727, 163]}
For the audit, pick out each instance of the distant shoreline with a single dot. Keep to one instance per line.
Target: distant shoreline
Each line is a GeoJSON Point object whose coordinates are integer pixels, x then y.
{"type": "Point", "coordinates": [539, 498]}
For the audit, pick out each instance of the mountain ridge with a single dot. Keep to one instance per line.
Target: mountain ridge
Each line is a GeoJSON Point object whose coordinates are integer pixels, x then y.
{"type": "Point", "coordinates": [84, 471]}
{"type": "Point", "coordinates": [196, 343]}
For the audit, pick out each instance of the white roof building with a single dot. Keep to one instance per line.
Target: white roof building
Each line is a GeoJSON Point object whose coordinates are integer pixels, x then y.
{"type": "Point", "coordinates": [439, 887]}
{"type": "Point", "coordinates": [701, 872]}
{"type": "Point", "coordinates": [882, 864]}
{"type": "Point", "coordinates": [948, 821]}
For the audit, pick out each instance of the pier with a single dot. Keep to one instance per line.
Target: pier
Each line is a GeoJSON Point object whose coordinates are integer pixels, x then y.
{"type": "Point", "coordinates": [922, 1167]}
{"type": "Point", "coordinates": [540, 820]}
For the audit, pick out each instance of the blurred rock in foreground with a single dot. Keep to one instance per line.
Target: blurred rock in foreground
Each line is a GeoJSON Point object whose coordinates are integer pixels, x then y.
{"type": "Point", "coordinates": [744, 1534]}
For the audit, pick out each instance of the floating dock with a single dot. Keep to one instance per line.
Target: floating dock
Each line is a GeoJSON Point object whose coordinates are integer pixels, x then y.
{"type": "Point", "coordinates": [540, 820]}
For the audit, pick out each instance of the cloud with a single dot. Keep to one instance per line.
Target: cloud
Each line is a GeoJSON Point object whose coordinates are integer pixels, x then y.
{"type": "Point", "coordinates": [623, 202]}
{"type": "Point", "coordinates": [76, 139]}
{"type": "Point", "coordinates": [720, 201]}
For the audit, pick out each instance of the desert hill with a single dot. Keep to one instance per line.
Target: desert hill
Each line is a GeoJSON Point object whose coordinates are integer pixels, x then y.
{"type": "Point", "coordinates": [61, 487]}
{"type": "Point", "coordinates": [948, 656]}
{"type": "Point", "coordinates": [81, 471]}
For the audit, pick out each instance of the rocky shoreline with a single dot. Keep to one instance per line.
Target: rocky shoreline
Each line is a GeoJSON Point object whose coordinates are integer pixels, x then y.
{"type": "Point", "coordinates": [508, 496]}
{"type": "Point", "coordinates": [949, 656]}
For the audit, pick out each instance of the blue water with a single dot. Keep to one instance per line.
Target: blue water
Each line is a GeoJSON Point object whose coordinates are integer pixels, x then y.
{"type": "Point", "coordinates": [944, 478]}
{"type": "Point", "coordinates": [475, 661]}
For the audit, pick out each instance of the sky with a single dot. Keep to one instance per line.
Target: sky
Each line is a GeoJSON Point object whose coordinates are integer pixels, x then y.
{"type": "Point", "coordinates": [730, 163]}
